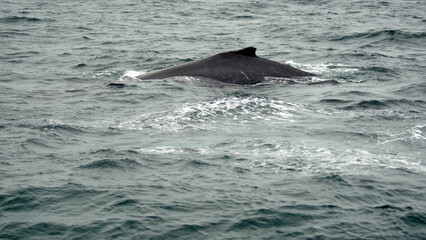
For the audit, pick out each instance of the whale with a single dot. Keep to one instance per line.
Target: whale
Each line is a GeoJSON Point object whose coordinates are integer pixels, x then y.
{"type": "Point", "coordinates": [242, 67]}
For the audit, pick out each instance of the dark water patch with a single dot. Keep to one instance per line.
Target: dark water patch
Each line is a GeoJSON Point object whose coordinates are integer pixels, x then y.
{"type": "Point", "coordinates": [75, 91]}
{"type": "Point", "coordinates": [61, 128]}
{"type": "Point", "coordinates": [389, 34]}
{"type": "Point", "coordinates": [46, 228]}
{"type": "Point", "coordinates": [81, 65]}
{"type": "Point", "coordinates": [116, 85]}
{"type": "Point", "coordinates": [334, 101]}
{"type": "Point", "coordinates": [18, 202]}
{"type": "Point", "coordinates": [393, 208]}
{"type": "Point", "coordinates": [65, 54]}
{"type": "Point", "coordinates": [177, 207]}
{"type": "Point", "coordinates": [75, 79]}
{"type": "Point", "coordinates": [13, 33]}
{"type": "Point", "coordinates": [309, 208]}
{"type": "Point", "coordinates": [108, 152]}
{"type": "Point", "coordinates": [27, 54]}
{"type": "Point", "coordinates": [412, 89]}
{"type": "Point", "coordinates": [198, 163]}
{"type": "Point", "coordinates": [244, 17]}
{"type": "Point", "coordinates": [14, 19]}
{"type": "Point", "coordinates": [402, 192]}
{"type": "Point", "coordinates": [85, 28]}
{"type": "Point", "coordinates": [21, 230]}
{"type": "Point", "coordinates": [415, 219]}
{"type": "Point", "coordinates": [126, 202]}
{"type": "Point", "coordinates": [381, 70]}
{"type": "Point", "coordinates": [371, 104]}
{"type": "Point", "coordinates": [187, 231]}
{"type": "Point", "coordinates": [50, 136]}
{"type": "Point", "coordinates": [241, 170]}
{"type": "Point", "coordinates": [45, 199]}
{"type": "Point", "coordinates": [121, 164]}
{"type": "Point", "coordinates": [13, 62]}
{"type": "Point", "coordinates": [356, 93]}
{"type": "Point", "coordinates": [382, 104]}
{"type": "Point", "coordinates": [36, 143]}
{"type": "Point", "coordinates": [407, 102]}
{"type": "Point", "coordinates": [333, 180]}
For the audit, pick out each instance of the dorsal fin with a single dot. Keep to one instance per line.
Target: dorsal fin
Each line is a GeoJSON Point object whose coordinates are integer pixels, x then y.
{"type": "Point", "coordinates": [250, 52]}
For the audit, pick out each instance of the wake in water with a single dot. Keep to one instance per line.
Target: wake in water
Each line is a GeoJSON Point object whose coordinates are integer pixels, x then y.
{"type": "Point", "coordinates": [215, 114]}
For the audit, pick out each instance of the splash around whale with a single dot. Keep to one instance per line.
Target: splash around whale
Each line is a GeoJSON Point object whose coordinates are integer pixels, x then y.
{"type": "Point", "coordinates": [236, 67]}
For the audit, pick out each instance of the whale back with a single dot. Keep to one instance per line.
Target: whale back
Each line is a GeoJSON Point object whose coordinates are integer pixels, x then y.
{"type": "Point", "coordinates": [238, 67]}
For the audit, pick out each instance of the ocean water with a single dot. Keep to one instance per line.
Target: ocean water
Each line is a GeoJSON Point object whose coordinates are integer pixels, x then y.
{"type": "Point", "coordinates": [88, 151]}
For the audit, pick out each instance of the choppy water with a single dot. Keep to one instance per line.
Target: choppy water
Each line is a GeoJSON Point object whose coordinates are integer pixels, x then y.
{"type": "Point", "coordinates": [187, 158]}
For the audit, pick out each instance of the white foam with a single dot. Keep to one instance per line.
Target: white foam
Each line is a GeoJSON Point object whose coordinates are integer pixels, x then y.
{"type": "Point", "coordinates": [103, 74]}
{"type": "Point", "coordinates": [131, 75]}
{"type": "Point", "coordinates": [418, 132]}
{"type": "Point", "coordinates": [161, 150]}
{"type": "Point", "coordinates": [203, 115]}
{"type": "Point", "coordinates": [414, 133]}
{"type": "Point", "coordinates": [259, 156]}
{"type": "Point", "coordinates": [307, 160]}
{"type": "Point", "coordinates": [324, 68]}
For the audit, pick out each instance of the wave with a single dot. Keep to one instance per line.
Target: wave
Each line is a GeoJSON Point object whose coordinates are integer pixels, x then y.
{"type": "Point", "coordinates": [51, 135]}
{"type": "Point", "coordinates": [384, 103]}
{"type": "Point", "coordinates": [40, 198]}
{"type": "Point", "coordinates": [287, 222]}
{"type": "Point", "coordinates": [112, 152]}
{"type": "Point", "coordinates": [380, 70]}
{"type": "Point", "coordinates": [413, 89]}
{"type": "Point", "coordinates": [23, 54]}
{"type": "Point", "coordinates": [388, 34]}
{"type": "Point", "coordinates": [10, 33]}
{"type": "Point", "coordinates": [265, 218]}
{"type": "Point", "coordinates": [14, 19]}
{"type": "Point", "coordinates": [62, 128]}
{"type": "Point", "coordinates": [36, 144]}
{"type": "Point", "coordinates": [20, 230]}
{"type": "Point", "coordinates": [121, 164]}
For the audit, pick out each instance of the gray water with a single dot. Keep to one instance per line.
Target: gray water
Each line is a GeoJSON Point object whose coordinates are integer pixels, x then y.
{"type": "Point", "coordinates": [89, 151]}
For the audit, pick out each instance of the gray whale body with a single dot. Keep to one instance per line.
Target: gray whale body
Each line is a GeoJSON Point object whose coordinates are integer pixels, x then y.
{"type": "Point", "coordinates": [236, 67]}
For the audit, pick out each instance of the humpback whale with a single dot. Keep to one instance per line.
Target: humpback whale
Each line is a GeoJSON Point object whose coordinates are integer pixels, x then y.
{"type": "Point", "coordinates": [236, 67]}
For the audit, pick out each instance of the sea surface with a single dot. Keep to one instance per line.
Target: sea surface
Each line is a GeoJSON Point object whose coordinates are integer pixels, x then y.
{"type": "Point", "coordinates": [89, 151]}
